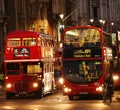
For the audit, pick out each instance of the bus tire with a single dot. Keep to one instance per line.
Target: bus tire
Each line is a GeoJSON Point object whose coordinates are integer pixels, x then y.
{"type": "Point", "coordinates": [70, 97]}
{"type": "Point", "coordinates": [52, 91]}
{"type": "Point", "coordinates": [40, 93]}
{"type": "Point", "coordinates": [9, 95]}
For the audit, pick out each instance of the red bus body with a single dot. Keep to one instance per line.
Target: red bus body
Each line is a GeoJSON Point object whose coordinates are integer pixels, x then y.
{"type": "Point", "coordinates": [28, 63]}
{"type": "Point", "coordinates": [86, 60]}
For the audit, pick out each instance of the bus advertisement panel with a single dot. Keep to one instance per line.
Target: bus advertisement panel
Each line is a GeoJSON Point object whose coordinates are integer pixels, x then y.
{"type": "Point", "coordinates": [86, 60]}
{"type": "Point", "coordinates": [28, 63]}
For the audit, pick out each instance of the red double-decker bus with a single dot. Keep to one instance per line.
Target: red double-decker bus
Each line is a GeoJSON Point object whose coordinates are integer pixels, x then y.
{"type": "Point", "coordinates": [28, 63]}
{"type": "Point", "coordinates": [87, 58]}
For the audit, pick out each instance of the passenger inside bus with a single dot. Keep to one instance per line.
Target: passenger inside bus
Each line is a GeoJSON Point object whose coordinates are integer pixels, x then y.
{"type": "Point", "coordinates": [67, 43]}
{"type": "Point", "coordinates": [82, 38]}
{"type": "Point", "coordinates": [85, 71]}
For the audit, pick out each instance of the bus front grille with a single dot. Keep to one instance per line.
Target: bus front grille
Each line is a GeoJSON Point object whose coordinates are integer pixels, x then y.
{"type": "Point", "coordinates": [22, 86]}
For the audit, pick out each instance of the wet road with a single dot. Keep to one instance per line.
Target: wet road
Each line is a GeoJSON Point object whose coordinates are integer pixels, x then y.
{"type": "Point", "coordinates": [57, 102]}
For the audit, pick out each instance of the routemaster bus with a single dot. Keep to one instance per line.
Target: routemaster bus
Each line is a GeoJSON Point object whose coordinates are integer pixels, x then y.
{"type": "Point", "coordinates": [28, 63]}
{"type": "Point", "coordinates": [87, 58]}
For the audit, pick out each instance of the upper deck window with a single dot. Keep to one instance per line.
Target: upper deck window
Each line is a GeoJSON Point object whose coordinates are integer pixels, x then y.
{"type": "Point", "coordinates": [29, 42]}
{"type": "Point", "coordinates": [82, 37]}
{"type": "Point", "coordinates": [13, 42]}
{"type": "Point", "coordinates": [39, 41]}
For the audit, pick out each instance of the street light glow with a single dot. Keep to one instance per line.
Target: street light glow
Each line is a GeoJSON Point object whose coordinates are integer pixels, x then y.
{"type": "Point", "coordinates": [61, 16]}
{"type": "Point", "coordinates": [91, 20]}
{"type": "Point", "coordinates": [102, 21]}
{"type": "Point", "coordinates": [112, 23]}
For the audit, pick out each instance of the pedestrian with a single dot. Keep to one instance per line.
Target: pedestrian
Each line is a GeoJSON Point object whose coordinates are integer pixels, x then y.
{"type": "Point", "coordinates": [109, 84]}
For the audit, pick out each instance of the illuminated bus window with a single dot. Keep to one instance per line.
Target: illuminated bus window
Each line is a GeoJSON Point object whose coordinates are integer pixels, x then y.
{"type": "Point", "coordinates": [42, 41]}
{"type": "Point", "coordinates": [47, 67]}
{"type": "Point", "coordinates": [82, 38]}
{"type": "Point", "coordinates": [45, 42]}
{"type": "Point", "coordinates": [29, 69]}
{"type": "Point", "coordinates": [34, 69]}
{"type": "Point", "coordinates": [50, 43]}
{"type": "Point", "coordinates": [39, 41]}
{"type": "Point", "coordinates": [13, 42]}
{"type": "Point", "coordinates": [29, 42]}
{"type": "Point", "coordinates": [50, 67]}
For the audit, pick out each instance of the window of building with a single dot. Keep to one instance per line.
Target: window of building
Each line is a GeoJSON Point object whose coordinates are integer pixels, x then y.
{"type": "Point", "coordinates": [32, 10]}
{"type": "Point", "coordinates": [2, 7]}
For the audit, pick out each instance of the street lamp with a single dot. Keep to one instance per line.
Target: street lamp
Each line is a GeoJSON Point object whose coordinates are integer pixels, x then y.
{"type": "Point", "coordinates": [60, 26]}
{"type": "Point", "coordinates": [91, 21]}
{"type": "Point", "coordinates": [61, 16]}
{"type": "Point", "coordinates": [112, 23]}
{"type": "Point", "coordinates": [102, 22]}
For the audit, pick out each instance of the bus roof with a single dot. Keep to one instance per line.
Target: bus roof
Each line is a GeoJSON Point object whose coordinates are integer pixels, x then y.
{"type": "Point", "coordinates": [24, 33]}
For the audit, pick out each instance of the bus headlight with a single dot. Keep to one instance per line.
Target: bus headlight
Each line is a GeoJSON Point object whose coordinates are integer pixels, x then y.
{"type": "Point", "coordinates": [9, 85]}
{"type": "Point", "coordinates": [35, 85]}
{"type": "Point", "coordinates": [66, 89]}
{"type": "Point", "coordinates": [115, 77]}
{"type": "Point", "coordinates": [100, 89]}
{"type": "Point", "coordinates": [61, 80]}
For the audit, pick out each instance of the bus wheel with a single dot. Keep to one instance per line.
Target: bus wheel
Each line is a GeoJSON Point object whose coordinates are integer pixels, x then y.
{"type": "Point", "coordinates": [40, 93]}
{"type": "Point", "coordinates": [70, 97]}
{"type": "Point", "coordinates": [52, 91]}
{"type": "Point", "coordinates": [9, 95]}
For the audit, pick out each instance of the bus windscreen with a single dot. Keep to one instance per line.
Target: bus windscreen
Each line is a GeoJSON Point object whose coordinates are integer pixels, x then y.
{"type": "Point", "coordinates": [82, 43]}
{"type": "Point", "coordinates": [82, 38]}
{"type": "Point", "coordinates": [86, 71]}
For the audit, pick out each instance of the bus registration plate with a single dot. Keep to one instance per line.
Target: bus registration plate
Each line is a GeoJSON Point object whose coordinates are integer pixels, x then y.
{"type": "Point", "coordinates": [83, 92]}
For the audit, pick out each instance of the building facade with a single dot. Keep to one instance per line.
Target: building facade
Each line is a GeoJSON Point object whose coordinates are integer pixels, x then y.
{"type": "Point", "coordinates": [37, 15]}
{"type": "Point", "coordinates": [43, 16]}
{"type": "Point", "coordinates": [102, 12]}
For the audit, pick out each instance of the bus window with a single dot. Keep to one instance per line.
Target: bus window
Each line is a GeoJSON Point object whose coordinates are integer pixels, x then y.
{"type": "Point", "coordinates": [13, 68]}
{"type": "Point", "coordinates": [34, 69]}
{"type": "Point", "coordinates": [82, 38]}
{"type": "Point", "coordinates": [13, 42]}
{"type": "Point", "coordinates": [29, 42]}
{"type": "Point", "coordinates": [31, 68]}
{"type": "Point", "coordinates": [85, 72]}
{"type": "Point", "coordinates": [39, 41]}
{"type": "Point", "coordinates": [42, 41]}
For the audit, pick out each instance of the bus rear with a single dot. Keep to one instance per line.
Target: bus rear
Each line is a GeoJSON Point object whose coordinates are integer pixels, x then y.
{"type": "Point", "coordinates": [83, 61]}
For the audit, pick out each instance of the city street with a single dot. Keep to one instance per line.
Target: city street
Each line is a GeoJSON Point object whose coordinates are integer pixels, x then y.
{"type": "Point", "coordinates": [53, 47]}
{"type": "Point", "coordinates": [57, 102]}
